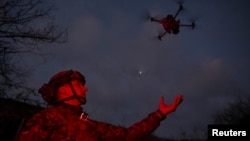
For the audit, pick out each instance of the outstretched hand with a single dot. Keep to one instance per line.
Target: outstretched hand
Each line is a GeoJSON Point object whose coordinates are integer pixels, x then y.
{"type": "Point", "coordinates": [169, 108]}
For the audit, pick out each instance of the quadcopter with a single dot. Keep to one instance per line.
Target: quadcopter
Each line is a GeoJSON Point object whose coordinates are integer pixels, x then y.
{"type": "Point", "coordinates": [170, 24]}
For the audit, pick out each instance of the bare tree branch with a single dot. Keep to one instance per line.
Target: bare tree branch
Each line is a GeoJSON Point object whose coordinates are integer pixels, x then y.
{"type": "Point", "coordinates": [24, 25]}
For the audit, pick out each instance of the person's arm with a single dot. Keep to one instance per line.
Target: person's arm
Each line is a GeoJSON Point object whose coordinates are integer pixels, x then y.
{"type": "Point", "coordinates": [142, 128]}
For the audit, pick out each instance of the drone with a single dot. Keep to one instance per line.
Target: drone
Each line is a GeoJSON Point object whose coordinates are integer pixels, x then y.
{"type": "Point", "coordinates": [170, 24]}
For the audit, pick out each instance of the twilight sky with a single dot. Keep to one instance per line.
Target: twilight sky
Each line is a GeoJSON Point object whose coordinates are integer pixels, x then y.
{"type": "Point", "coordinates": [128, 69]}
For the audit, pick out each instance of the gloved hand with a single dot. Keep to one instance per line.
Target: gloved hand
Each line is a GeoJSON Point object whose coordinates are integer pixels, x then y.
{"type": "Point", "coordinates": [166, 108]}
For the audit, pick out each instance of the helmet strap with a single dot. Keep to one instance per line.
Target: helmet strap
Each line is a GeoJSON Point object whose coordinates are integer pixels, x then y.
{"type": "Point", "coordinates": [74, 96]}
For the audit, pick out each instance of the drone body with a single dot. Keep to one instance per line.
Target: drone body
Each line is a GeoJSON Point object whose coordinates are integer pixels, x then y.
{"type": "Point", "coordinates": [170, 24]}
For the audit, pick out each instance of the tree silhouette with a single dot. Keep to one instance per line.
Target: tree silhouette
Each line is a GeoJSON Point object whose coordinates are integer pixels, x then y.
{"type": "Point", "coordinates": [24, 25]}
{"type": "Point", "coordinates": [236, 113]}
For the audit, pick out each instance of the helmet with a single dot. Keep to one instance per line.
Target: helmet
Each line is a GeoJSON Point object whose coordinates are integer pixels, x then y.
{"type": "Point", "coordinates": [49, 90]}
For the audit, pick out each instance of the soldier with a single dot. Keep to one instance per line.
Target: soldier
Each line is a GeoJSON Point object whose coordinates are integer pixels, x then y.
{"type": "Point", "coordinates": [64, 119]}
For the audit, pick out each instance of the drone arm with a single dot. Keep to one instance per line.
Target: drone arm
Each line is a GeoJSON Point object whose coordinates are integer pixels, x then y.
{"type": "Point", "coordinates": [154, 20]}
{"type": "Point", "coordinates": [179, 10]}
{"type": "Point", "coordinates": [191, 25]}
{"type": "Point", "coordinates": [161, 35]}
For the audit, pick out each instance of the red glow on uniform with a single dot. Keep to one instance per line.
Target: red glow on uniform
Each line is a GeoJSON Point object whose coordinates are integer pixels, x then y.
{"type": "Point", "coordinates": [66, 120]}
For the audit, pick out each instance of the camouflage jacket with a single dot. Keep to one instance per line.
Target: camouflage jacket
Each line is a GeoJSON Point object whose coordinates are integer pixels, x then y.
{"type": "Point", "coordinates": [62, 123]}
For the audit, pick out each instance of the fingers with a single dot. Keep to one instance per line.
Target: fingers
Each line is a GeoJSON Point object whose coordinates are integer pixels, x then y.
{"type": "Point", "coordinates": [161, 100]}
{"type": "Point", "coordinates": [178, 99]}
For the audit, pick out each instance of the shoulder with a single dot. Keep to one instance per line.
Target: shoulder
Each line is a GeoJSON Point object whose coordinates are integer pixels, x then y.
{"type": "Point", "coordinates": [46, 114]}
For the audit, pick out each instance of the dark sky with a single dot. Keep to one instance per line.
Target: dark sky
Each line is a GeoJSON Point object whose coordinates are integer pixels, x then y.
{"type": "Point", "coordinates": [128, 69]}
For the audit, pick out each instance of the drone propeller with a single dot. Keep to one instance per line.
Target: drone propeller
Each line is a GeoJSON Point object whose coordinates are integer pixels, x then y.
{"type": "Point", "coordinates": [193, 25]}
{"type": "Point", "coordinates": [161, 35]}
{"type": "Point", "coordinates": [194, 20]}
{"type": "Point", "coordinates": [147, 16]}
{"type": "Point", "coordinates": [179, 10]}
{"type": "Point", "coordinates": [179, 2]}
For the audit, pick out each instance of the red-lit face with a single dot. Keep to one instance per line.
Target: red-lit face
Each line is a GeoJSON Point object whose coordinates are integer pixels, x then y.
{"type": "Point", "coordinates": [77, 99]}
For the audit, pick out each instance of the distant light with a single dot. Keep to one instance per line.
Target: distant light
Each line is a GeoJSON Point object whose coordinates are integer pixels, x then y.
{"type": "Point", "coordinates": [140, 72]}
